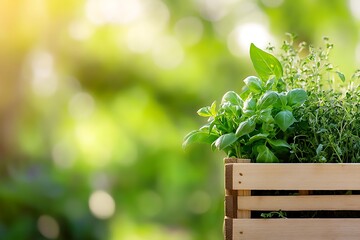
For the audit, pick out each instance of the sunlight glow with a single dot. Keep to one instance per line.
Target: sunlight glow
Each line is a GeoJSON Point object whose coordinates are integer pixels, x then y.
{"type": "Point", "coordinates": [44, 81]}
{"type": "Point", "coordinates": [241, 37]}
{"type": "Point", "coordinates": [81, 105]}
{"type": "Point", "coordinates": [113, 11]}
{"type": "Point", "coordinates": [48, 227]}
{"type": "Point", "coordinates": [63, 155]}
{"type": "Point", "coordinates": [101, 204]}
{"type": "Point", "coordinates": [214, 10]}
{"type": "Point", "coordinates": [80, 30]}
{"type": "Point", "coordinates": [189, 30]}
{"type": "Point", "coordinates": [354, 6]}
{"type": "Point", "coordinates": [168, 53]}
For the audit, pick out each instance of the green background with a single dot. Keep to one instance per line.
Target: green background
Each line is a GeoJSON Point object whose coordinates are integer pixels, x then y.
{"type": "Point", "coordinates": [96, 97]}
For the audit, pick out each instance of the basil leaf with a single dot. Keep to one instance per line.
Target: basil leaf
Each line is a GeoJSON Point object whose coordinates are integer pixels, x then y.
{"type": "Point", "coordinates": [254, 84]}
{"type": "Point", "coordinates": [233, 98]}
{"type": "Point", "coordinates": [275, 143]}
{"type": "Point", "coordinates": [198, 137]}
{"type": "Point", "coordinates": [284, 119]}
{"type": "Point", "coordinates": [245, 127]}
{"type": "Point", "coordinates": [265, 155]}
{"type": "Point", "coordinates": [268, 99]}
{"type": "Point", "coordinates": [225, 140]}
{"type": "Point", "coordinates": [296, 97]}
{"type": "Point", "coordinates": [265, 64]}
{"type": "Point", "coordinates": [204, 112]}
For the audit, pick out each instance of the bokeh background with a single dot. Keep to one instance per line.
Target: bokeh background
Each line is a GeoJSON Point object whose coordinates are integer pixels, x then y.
{"type": "Point", "coordinates": [97, 95]}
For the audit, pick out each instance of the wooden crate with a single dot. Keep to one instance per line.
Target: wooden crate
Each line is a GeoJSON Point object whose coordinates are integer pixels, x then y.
{"type": "Point", "coordinates": [241, 177]}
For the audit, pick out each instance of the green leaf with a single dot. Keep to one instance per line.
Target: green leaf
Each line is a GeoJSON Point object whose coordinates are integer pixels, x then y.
{"type": "Point", "coordinates": [254, 84]}
{"type": "Point", "coordinates": [245, 127]}
{"type": "Point", "coordinates": [284, 119]}
{"type": "Point", "coordinates": [225, 140]}
{"type": "Point", "coordinates": [204, 112]}
{"type": "Point", "coordinates": [341, 76]}
{"type": "Point", "coordinates": [198, 137]}
{"type": "Point", "coordinates": [276, 143]}
{"type": "Point", "coordinates": [265, 64]}
{"type": "Point", "coordinates": [265, 116]}
{"type": "Point", "coordinates": [257, 137]}
{"type": "Point", "coordinates": [265, 155]}
{"type": "Point", "coordinates": [268, 99]}
{"type": "Point", "coordinates": [233, 98]}
{"type": "Point", "coordinates": [250, 104]}
{"type": "Point", "coordinates": [296, 97]}
{"type": "Point", "coordinates": [283, 99]}
{"type": "Point", "coordinates": [213, 109]}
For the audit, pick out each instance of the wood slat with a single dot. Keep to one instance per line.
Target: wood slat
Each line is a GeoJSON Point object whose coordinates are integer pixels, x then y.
{"type": "Point", "coordinates": [299, 203]}
{"type": "Point", "coordinates": [311, 176]}
{"type": "Point", "coordinates": [294, 229]}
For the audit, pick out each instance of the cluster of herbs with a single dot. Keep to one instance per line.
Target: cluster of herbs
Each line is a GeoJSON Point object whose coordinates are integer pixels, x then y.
{"type": "Point", "coordinates": [256, 123]}
{"type": "Point", "coordinates": [290, 112]}
{"type": "Point", "coordinates": [328, 123]}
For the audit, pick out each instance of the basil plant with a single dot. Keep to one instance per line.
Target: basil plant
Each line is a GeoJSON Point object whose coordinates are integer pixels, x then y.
{"type": "Point", "coordinates": [256, 123]}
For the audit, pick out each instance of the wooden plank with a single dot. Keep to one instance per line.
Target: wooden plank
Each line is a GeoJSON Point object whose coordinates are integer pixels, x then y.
{"type": "Point", "coordinates": [283, 176]}
{"type": "Point", "coordinates": [296, 229]}
{"type": "Point", "coordinates": [228, 228]}
{"type": "Point", "coordinates": [299, 203]}
{"type": "Point", "coordinates": [231, 195]}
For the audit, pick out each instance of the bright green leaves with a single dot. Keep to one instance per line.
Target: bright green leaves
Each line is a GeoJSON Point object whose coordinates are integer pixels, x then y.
{"type": "Point", "coordinates": [198, 137]}
{"type": "Point", "coordinates": [296, 97]}
{"type": "Point", "coordinates": [265, 155]}
{"type": "Point", "coordinates": [341, 76]}
{"type": "Point", "coordinates": [254, 84]}
{"type": "Point", "coordinates": [207, 111]}
{"type": "Point", "coordinates": [246, 127]}
{"type": "Point", "coordinates": [267, 100]}
{"type": "Point", "coordinates": [265, 64]}
{"type": "Point", "coordinates": [233, 98]}
{"type": "Point", "coordinates": [253, 124]}
{"type": "Point", "coordinates": [225, 141]}
{"type": "Point", "coordinates": [284, 119]}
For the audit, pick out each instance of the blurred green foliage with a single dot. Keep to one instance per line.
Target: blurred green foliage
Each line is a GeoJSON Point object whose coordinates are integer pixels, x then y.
{"type": "Point", "coordinates": [96, 97]}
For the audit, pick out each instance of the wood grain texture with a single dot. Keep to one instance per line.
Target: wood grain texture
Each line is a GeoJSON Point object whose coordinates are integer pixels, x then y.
{"type": "Point", "coordinates": [296, 229]}
{"type": "Point", "coordinates": [323, 176]}
{"type": "Point", "coordinates": [300, 203]}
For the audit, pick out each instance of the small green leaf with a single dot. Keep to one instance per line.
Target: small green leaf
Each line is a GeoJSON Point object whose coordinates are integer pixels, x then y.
{"type": "Point", "coordinates": [213, 109]}
{"type": "Point", "coordinates": [233, 98]}
{"type": "Point", "coordinates": [254, 84]}
{"type": "Point", "coordinates": [268, 99]}
{"type": "Point", "coordinates": [225, 140]}
{"type": "Point", "coordinates": [245, 127]}
{"type": "Point", "coordinates": [198, 137]}
{"type": "Point", "coordinates": [296, 97]}
{"type": "Point", "coordinates": [319, 149]}
{"type": "Point", "coordinates": [204, 112]}
{"type": "Point", "coordinates": [257, 137]}
{"type": "Point", "coordinates": [265, 155]}
{"type": "Point", "coordinates": [265, 116]}
{"type": "Point", "coordinates": [341, 76]}
{"type": "Point", "coordinates": [284, 119]}
{"type": "Point", "coordinates": [276, 143]}
{"type": "Point", "coordinates": [250, 104]}
{"type": "Point", "coordinates": [283, 99]}
{"type": "Point", "coordinates": [265, 64]}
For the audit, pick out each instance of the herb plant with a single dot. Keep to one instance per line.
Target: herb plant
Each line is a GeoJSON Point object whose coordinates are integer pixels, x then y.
{"type": "Point", "coordinates": [298, 109]}
{"type": "Point", "coordinates": [256, 123]}
{"type": "Point", "coordinates": [328, 127]}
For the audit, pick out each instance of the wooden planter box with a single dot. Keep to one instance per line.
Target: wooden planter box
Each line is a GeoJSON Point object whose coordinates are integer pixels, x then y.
{"type": "Point", "coordinates": [241, 178]}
